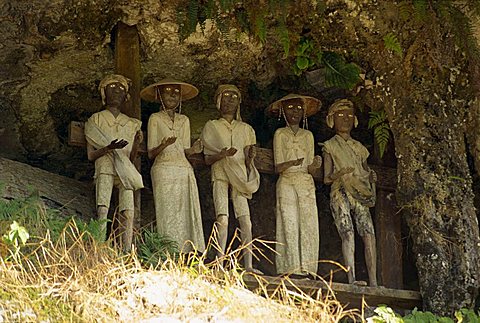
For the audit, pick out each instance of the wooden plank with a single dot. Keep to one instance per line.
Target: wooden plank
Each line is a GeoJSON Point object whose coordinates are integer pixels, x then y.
{"type": "Point", "coordinates": [264, 159]}
{"type": "Point", "coordinates": [389, 240]}
{"type": "Point", "coordinates": [350, 295]}
{"type": "Point", "coordinates": [127, 63]}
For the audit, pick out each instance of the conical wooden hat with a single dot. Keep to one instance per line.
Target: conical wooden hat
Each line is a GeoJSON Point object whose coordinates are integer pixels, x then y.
{"type": "Point", "coordinates": [312, 105]}
{"type": "Point", "coordinates": [188, 91]}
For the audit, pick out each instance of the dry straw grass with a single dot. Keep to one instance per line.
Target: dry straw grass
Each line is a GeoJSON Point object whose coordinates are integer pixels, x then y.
{"type": "Point", "coordinates": [77, 279]}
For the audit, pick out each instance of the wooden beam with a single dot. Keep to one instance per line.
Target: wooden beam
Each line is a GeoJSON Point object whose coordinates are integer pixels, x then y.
{"type": "Point", "coordinates": [127, 63]}
{"type": "Point", "coordinates": [350, 295]}
{"type": "Point", "coordinates": [389, 240]}
{"type": "Point", "coordinates": [264, 159]}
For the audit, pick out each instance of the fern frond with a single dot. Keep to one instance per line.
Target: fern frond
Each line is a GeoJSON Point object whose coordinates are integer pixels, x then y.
{"type": "Point", "coordinates": [226, 5]}
{"type": "Point", "coordinates": [391, 42]}
{"type": "Point", "coordinates": [339, 73]}
{"type": "Point", "coordinates": [192, 16]}
{"type": "Point", "coordinates": [421, 7]}
{"type": "Point", "coordinates": [376, 117]}
{"type": "Point", "coordinates": [405, 10]}
{"type": "Point", "coordinates": [224, 28]}
{"type": "Point", "coordinates": [463, 29]}
{"type": "Point", "coordinates": [282, 31]}
{"type": "Point", "coordinates": [243, 20]}
{"type": "Point", "coordinates": [260, 28]}
{"type": "Point", "coordinates": [381, 129]}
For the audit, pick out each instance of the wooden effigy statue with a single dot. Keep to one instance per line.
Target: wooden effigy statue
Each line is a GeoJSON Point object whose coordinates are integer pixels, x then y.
{"type": "Point", "coordinates": [175, 191]}
{"type": "Point", "coordinates": [297, 229]}
{"type": "Point", "coordinates": [229, 146]}
{"type": "Point", "coordinates": [353, 189]}
{"type": "Point", "coordinates": [113, 140]}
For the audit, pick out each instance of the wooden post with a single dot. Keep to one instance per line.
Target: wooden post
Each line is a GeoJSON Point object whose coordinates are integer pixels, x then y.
{"type": "Point", "coordinates": [127, 63]}
{"type": "Point", "coordinates": [388, 222]}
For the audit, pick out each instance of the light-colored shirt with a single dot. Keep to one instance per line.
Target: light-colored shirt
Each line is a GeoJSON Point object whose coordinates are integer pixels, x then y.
{"type": "Point", "coordinates": [289, 146]}
{"type": "Point", "coordinates": [350, 153]}
{"type": "Point", "coordinates": [219, 134]}
{"type": "Point", "coordinates": [121, 127]}
{"type": "Point", "coordinates": [161, 126]}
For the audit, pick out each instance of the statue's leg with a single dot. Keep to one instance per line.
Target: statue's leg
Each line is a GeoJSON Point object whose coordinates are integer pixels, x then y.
{"type": "Point", "coordinates": [222, 230]}
{"type": "Point", "coordinates": [242, 210]}
{"type": "Point", "coordinates": [371, 258]}
{"type": "Point", "coordinates": [348, 251]}
{"type": "Point", "coordinates": [103, 192]}
{"type": "Point", "coordinates": [102, 214]}
{"type": "Point", "coordinates": [127, 229]}
{"type": "Point", "coordinates": [340, 208]}
{"type": "Point", "coordinates": [246, 234]}
{"type": "Point", "coordinates": [363, 220]}
{"type": "Point", "coordinates": [220, 201]}
{"type": "Point", "coordinates": [127, 207]}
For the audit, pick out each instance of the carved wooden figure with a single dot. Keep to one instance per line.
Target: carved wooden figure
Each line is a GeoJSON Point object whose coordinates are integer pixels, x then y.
{"type": "Point", "coordinates": [175, 191]}
{"type": "Point", "coordinates": [297, 232]}
{"type": "Point", "coordinates": [229, 146]}
{"type": "Point", "coordinates": [113, 140]}
{"type": "Point", "coordinates": [353, 188]}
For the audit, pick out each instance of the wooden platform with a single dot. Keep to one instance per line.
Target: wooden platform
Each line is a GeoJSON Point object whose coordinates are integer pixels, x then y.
{"type": "Point", "coordinates": [348, 295]}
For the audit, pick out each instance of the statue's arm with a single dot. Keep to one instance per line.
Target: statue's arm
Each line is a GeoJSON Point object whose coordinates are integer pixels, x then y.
{"type": "Point", "coordinates": [93, 154]}
{"type": "Point", "coordinates": [328, 177]}
{"type": "Point", "coordinates": [136, 145]}
{"type": "Point", "coordinates": [212, 159]}
{"type": "Point", "coordinates": [153, 153]}
{"type": "Point", "coordinates": [373, 175]}
{"type": "Point", "coordinates": [279, 168]}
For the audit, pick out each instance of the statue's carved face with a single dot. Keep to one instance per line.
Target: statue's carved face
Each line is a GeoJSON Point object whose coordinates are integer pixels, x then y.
{"type": "Point", "coordinates": [170, 96]}
{"type": "Point", "coordinates": [344, 120]}
{"type": "Point", "coordinates": [293, 110]}
{"type": "Point", "coordinates": [115, 94]}
{"type": "Point", "coordinates": [230, 102]}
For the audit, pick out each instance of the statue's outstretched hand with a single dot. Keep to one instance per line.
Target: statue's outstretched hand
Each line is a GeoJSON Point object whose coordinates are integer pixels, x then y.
{"type": "Point", "coordinates": [138, 138]}
{"type": "Point", "coordinates": [317, 162]}
{"type": "Point", "coordinates": [297, 162]}
{"type": "Point", "coordinates": [168, 141]}
{"type": "Point", "coordinates": [117, 144]}
{"type": "Point", "coordinates": [197, 147]}
{"type": "Point", "coordinates": [227, 152]}
{"type": "Point", "coordinates": [252, 152]}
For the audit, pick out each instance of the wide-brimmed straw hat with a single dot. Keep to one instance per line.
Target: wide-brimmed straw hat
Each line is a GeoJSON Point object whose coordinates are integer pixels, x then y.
{"type": "Point", "coordinates": [312, 105]}
{"type": "Point", "coordinates": [188, 91]}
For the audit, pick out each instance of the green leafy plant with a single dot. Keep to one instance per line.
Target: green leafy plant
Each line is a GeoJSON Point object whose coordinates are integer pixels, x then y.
{"type": "Point", "coordinates": [385, 314]}
{"type": "Point", "coordinates": [391, 42]}
{"type": "Point", "coordinates": [93, 228]}
{"type": "Point", "coordinates": [305, 56]}
{"type": "Point", "coordinates": [338, 72]}
{"type": "Point", "coordinates": [381, 129]}
{"type": "Point", "coordinates": [156, 248]}
{"type": "Point", "coordinates": [15, 238]}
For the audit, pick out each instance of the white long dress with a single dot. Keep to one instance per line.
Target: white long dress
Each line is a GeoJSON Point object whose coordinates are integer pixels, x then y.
{"type": "Point", "coordinates": [175, 191]}
{"type": "Point", "coordinates": [297, 230]}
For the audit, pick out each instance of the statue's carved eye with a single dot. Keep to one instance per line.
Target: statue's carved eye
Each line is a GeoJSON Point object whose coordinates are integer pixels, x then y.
{"type": "Point", "coordinates": [350, 115]}
{"type": "Point", "coordinates": [340, 114]}
{"type": "Point", "coordinates": [234, 96]}
{"type": "Point", "coordinates": [177, 90]}
{"type": "Point", "coordinates": [226, 94]}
